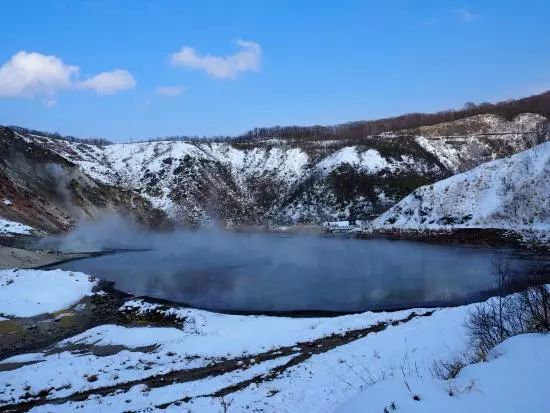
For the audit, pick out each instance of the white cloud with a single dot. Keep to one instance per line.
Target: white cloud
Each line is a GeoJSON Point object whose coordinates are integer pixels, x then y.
{"type": "Point", "coordinates": [34, 74]}
{"type": "Point", "coordinates": [466, 16]}
{"type": "Point", "coordinates": [107, 83]}
{"type": "Point", "coordinates": [31, 74]}
{"type": "Point", "coordinates": [170, 90]}
{"type": "Point", "coordinates": [222, 67]}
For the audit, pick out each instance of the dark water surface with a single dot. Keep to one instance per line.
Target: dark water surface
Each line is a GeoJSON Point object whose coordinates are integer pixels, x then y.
{"type": "Point", "coordinates": [263, 272]}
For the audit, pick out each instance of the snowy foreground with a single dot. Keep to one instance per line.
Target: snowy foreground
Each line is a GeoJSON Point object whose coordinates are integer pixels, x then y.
{"type": "Point", "coordinates": [207, 362]}
{"type": "Point", "coordinates": [514, 380]}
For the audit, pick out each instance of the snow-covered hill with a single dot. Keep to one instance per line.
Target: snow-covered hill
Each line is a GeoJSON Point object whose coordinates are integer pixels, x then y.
{"type": "Point", "coordinates": [253, 183]}
{"type": "Point", "coordinates": [294, 181]}
{"type": "Point", "coordinates": [465, 143]}
{"type": "Point", "coordinates": [513, 193]}
{"type": "Point", "coordinates": [44, 190]}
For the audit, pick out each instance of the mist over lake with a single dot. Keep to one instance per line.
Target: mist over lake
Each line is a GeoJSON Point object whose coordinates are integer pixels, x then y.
{"type": "Point", "coordinates": [258, 272]}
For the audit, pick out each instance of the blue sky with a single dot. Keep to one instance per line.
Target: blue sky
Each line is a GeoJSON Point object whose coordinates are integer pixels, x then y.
{"type": "Point", "coordinates": [119, 70]}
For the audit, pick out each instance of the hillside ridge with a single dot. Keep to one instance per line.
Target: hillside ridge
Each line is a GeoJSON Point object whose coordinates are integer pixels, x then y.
{"type": "Point", "coordinates": [272, 181]}
{"type": "Point", "coordinates": [509, 193]}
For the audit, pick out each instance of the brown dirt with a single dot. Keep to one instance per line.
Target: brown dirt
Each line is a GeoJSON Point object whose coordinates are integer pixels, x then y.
{"type": "Point", "coordinates": [21, 258]}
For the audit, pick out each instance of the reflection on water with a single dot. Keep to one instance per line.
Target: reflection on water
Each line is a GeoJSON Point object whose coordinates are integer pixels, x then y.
{"type": "Point", "coordinates": [262, 272]}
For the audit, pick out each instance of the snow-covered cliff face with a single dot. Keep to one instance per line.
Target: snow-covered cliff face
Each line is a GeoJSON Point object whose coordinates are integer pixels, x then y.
{"type": "Point", "coordinates": [513, 193]}
{"type": "Point", "coordinates": [466, 143]}
{"type": "Point", "coordinates": [278, 181]}
{"type": "Point", "coordinates": [263, 182]}
{"type": "Point", "coordinates": [44, 190]}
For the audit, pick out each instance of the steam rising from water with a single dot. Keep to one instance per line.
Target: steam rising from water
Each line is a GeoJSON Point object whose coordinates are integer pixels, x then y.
{"type": "Point", "coordinates": [112, 231]}
{"type": "Point", "coordinates": [267, 272]}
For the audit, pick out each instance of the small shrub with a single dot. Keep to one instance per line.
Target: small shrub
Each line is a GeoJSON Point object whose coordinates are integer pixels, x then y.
{"type": "Point", "coordinates": [521, 305]}
{"type": "Point", "coordinates": [508, 314]}
{"type": "Point", "coordinates": [445, 370]}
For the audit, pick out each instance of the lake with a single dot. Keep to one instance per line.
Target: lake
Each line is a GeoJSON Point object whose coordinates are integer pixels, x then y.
{"type": "Point", "coordinates": [263, 273]}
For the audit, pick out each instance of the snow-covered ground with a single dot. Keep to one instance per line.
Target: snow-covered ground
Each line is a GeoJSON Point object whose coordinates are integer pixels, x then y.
{"type": "Point", "coordinates": [514, 379]}
{"type": "Point", "coordinates": [510, 193]}
{"type": "Point", "coordinates": [26, 293]}
{"type": "Point", "coordinates": [9, 228]}
{"type": "Point", "coordinates": [362, 362]}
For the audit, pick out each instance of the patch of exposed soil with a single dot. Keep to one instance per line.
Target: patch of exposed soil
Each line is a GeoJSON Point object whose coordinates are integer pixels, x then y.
{"type": "Point", "coordinates": [22, 335]}
{"type": "Point", "coordinates": [11, 257]}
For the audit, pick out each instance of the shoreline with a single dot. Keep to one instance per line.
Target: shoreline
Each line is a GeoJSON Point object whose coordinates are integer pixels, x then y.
{"type": "Point", "coordinates": [481, 237]}
{"type": "Point", "coordinates": [11, 257]}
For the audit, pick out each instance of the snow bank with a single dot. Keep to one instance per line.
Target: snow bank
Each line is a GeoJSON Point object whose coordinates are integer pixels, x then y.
{"type": "Point", "coordinates": [26, 293]}
{"type": "Point", "coordinates": [205, 338]}
{"type": "Point", "coordinates": [11, 227]}
{"type": "Point", "coordinates": [516, 380]}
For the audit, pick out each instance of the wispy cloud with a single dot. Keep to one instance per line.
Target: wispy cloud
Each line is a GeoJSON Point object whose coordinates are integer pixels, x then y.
{"type": "Point", "coordinates": [248, 58]}
{"type": "Point", "coordinates": [31, 74]}
{"type": "Point", "coordinates": [175, 90]}
{"type": "Point", "coordinates": [108, 83]}
{"type": "Point", "coordinates": [466, 16]}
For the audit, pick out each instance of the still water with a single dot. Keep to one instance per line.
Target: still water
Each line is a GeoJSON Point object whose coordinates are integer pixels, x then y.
{"type": "Point", "coordinates": [264, 272]}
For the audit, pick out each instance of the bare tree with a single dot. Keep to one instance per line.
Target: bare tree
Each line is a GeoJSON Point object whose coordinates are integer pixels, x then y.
{"type": "Point", "coordinates": [507, 314]}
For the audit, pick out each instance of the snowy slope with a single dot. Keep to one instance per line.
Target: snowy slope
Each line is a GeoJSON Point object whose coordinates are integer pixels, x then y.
{"type": "Point", "coordinates": [285, 182]}
{"type": "Point", "coordinates": [370, 161]}
{"type": "Point", "coordinates": [41, 188]}
{"type": "Point", "coordinates": [514, 380]}
{"type": "Point", "coordinates": [508, 193]}
{"type": "Point", "coordinates": [465, 143]}
{"type": "Point", "coordinates": [199, 182]}
{"type": "Point", "coordinates": [25, 293]}
{"type": "Point", "coordinates": [9, 228]}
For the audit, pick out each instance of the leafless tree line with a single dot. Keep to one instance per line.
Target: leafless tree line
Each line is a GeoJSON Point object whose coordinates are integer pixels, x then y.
{"type": "Point", "coordinates": [355, 130]}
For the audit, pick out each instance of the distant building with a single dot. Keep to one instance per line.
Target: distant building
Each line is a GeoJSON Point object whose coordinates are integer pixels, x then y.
{"type": "Point", "coordinates": [341, 227]}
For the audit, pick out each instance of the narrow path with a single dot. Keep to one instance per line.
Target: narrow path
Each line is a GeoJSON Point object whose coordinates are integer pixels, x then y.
{"type": "Point", "coordinates": [301, 351]}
